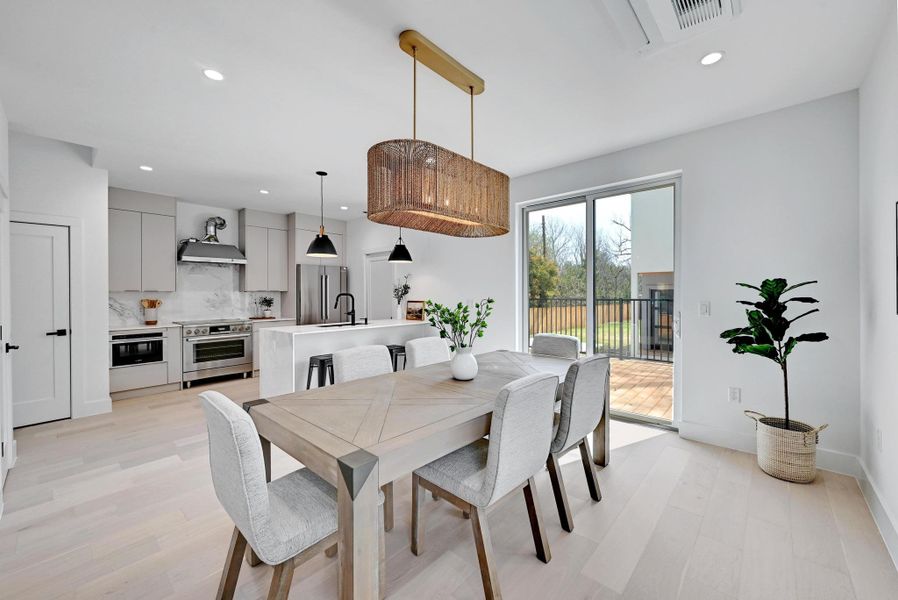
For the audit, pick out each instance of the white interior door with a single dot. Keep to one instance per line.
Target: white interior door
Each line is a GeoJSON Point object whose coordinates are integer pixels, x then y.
{"type": "Point", "coordinates": [5, 368]}
{"type": "Point", "coordinates": [379, 286]}
{"type": "Point", "coordinates": [41, 368]}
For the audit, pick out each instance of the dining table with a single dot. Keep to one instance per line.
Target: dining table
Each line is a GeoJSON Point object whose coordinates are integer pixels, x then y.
{"type": "Point", "coordinates": [364, 434]}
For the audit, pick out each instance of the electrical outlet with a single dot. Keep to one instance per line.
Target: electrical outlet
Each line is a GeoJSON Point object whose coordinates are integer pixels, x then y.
{"type": "Point", "coordinates": [879, 439]}
{"type": "Point", "coordinates": [704, 309]}
{"type": "Point", "coordinates": [734, 395]}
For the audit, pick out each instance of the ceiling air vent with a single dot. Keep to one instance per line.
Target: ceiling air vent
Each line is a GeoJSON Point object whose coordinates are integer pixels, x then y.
{"type": "Point", "coordinates": [650, 25]}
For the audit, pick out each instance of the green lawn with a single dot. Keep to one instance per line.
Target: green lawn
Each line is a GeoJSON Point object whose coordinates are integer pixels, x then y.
{"type": "Point", "coordinates": [608, 335]}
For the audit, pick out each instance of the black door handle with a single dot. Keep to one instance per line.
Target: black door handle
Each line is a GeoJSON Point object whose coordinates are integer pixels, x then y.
{"type": "Point", "coordinates": [10, 347]}
{"type": "Point", "coordinates": [59, 332]}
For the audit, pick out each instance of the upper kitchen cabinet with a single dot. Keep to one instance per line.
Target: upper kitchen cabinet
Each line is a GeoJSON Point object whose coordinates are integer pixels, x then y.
{"type": "Point", "coordinates": [142, 242]}
{"type": "Point", "coordinates": [263, 239]}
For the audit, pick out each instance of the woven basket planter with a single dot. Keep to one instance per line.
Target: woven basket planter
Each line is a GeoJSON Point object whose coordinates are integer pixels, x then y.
{"type": "Point", "coordinates": [790, 455]}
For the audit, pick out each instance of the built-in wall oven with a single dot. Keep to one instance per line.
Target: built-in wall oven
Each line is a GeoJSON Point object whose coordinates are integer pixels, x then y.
{"type": "Point", "coordinates": [216, 347]}
{"type": "Point", "coordinates": [132, 349]}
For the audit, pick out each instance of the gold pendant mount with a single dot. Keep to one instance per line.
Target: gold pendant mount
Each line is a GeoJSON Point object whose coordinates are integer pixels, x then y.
{"type": "Point", "coordinates": [437, 60]}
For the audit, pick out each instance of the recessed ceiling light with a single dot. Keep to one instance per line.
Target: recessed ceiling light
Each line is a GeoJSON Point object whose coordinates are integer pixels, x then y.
{"type": "Point", "coordinates": [711, 58]}
{"type": "Point", "coordinates": [213, 74]}
{"type": "Point", "coordinates": [266, 192]}
{"type": "Point", "coordinates": [146, 168]}
{"type": "Point", "coordinates": [344, 208]}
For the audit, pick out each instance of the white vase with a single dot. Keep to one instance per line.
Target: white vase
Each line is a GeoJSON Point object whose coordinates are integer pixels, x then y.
{"type": "Point", "coordinates": [463, 365]}
{"type": "Point", "coordinates": [267, 313]}
{"type": "Point", "coordinates": [399, 315]}
{"type": "Point", "coordinates": [150, 316]}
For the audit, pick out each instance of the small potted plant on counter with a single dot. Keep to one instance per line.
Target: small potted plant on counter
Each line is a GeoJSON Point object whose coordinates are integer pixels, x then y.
{"type": "Point", "coordinates": [457, 326]}
{"type": "Point", "coordinates": [400, 291]}
{"type": "Point", "coordinates": [787, 449]}
{"type": "Point", "coordinates": [265, 303]}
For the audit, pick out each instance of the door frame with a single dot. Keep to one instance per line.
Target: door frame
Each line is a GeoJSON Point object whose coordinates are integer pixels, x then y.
{"type": "Point", "coordinates": [366, 274]}
{"type": "Point", "coordinates": [81, 405]}
{"type": "Point", "coordinates": [641, 184]}
{"type": "Point", "coordinates": [7, 440]}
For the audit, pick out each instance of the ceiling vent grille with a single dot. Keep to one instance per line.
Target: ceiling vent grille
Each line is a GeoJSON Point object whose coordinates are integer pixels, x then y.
{"type": "Point", "coordinates": [694, 12]}
{"type": "Point", "coordinates": [649, 26]}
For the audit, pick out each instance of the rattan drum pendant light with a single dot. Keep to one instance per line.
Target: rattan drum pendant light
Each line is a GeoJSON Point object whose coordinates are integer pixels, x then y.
{"type": "Point", "coordinates": [419, 185]}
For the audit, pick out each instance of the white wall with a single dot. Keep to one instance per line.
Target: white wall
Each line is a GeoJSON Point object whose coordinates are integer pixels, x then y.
{"type": "Point", "coordinates": [652, 235]}
{"type": "Point", "coordinates": [773, 195]}
{"type": "Point", "coordinates": [53, 182]}
{"type": "Point", "coordinates": [445, 269]}
{"type": "Point", "coordinates": [4, 154]}
{"type": "Point", "coordinates": [879, 324]}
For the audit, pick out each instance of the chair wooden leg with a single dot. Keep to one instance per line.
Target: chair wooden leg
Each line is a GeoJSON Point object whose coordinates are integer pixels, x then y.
{"type": "Point", "coordinates": [466, 514]}
{"type": "Point", "coordinates": [387, 489]}
{"type": "Point", "coordinates": [591, 480]}
{"type": "Point", "coordinates": [281, 580]}
{"type": "Point", "coordinates": [564, 509]}
{"type": "Point", "coordinates": [536, 522]}
{"type": "Point", "coordinates": [418, 494]}
{"type": "Point", "coordinates": [231, 571]}
{"type": "Point", "coordinates": [488, 572]}
{"type": "Point", "coordinates": [434, 496]}
{"type": "Point", "coordinates": [331, 552]}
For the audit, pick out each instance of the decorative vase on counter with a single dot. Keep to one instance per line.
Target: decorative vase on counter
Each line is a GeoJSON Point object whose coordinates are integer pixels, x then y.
{"type": "Point", "coordinates": [463, 365]}
{"type": "Point", "coordinates": [267, 313]}
{"type": "Point", "coordinates": [399, 315]}
{"type": "Point", "coordinates": [150, 316]}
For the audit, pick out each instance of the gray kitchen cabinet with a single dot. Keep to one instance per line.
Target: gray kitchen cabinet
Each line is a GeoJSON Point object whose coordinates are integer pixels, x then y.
{"type": "Point", "coordinates": [277, 260]}
{"type": "Point", "coordinates": [159, 253]}
{"type": "Point", "coordinates": [124, 251]}
{"type": "Point", "coordinates": [263, 240]}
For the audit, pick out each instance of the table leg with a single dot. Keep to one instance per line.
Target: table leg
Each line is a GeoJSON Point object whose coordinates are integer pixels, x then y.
{"type": "Point", "coordinates": [357, 516]}
{"type": "Point", "coordinates": [601, 437]}
{"type": "Point", "coordinates": [251, 558]}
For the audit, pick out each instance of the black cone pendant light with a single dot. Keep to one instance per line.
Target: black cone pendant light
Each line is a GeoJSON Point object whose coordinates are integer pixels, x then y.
{"type": "Point", "coordinates": [321, 246]}
{"type": "Point", "coordinates": [400, 253]}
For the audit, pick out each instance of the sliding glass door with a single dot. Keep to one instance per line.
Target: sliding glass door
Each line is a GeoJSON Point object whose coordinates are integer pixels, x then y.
{"type": "Point", "coordinates": [600, 267]}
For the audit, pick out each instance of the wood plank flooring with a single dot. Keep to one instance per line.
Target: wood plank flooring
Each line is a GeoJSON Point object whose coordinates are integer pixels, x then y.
{"type": "Point", "coordinates": [642, 387]}
{"type": "Point", "coordinates": [121, 506]}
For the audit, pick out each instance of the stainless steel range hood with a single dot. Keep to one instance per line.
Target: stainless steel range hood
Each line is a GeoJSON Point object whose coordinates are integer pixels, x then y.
{"type": "Point", "coordinates": [209, 249]}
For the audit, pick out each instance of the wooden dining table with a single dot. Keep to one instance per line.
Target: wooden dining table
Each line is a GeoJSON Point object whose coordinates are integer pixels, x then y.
{"type": "Point", "coordinates": [366, 433]}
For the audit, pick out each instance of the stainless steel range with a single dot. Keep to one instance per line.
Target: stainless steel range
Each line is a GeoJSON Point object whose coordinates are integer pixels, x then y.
{"type": "Point", "coordinates": [215, 347]}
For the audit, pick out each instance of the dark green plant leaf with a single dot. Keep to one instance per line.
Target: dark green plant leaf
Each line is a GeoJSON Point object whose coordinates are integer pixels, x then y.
{"type": "Point", "coordinates": [798, 285]}
{"type": "Point", "coordinates": [818, 336]}
{"type": "Point", "coordinates": [765, 350]}
{"type": "Point", "coordinates": [805, 299]}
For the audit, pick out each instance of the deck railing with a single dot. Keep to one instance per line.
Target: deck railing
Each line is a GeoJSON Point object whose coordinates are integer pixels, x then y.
{"type": "Point", "coordinates": [624, 327]}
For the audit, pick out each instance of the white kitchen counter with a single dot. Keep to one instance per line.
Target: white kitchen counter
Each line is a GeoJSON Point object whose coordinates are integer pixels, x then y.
{"type": "Point", "coordinates": [142, 326]}
{"type": "Point", "coordinates": [285, 351]}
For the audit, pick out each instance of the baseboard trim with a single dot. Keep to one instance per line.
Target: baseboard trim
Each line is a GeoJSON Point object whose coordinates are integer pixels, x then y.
{"type": "Point", "coordinates": [884, 519]}
{"type": "Point", "coordinates": [830, 460]}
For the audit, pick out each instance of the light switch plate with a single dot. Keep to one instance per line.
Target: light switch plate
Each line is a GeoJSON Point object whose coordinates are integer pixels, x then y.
{"type": "Point", "coordinates": [734, 395]}
{"type": "Point", "coordinates": [704, 309]}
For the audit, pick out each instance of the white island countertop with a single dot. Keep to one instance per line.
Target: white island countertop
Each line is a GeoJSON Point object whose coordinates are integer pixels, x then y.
{"type": "Point", "coordinates": [285, 351]}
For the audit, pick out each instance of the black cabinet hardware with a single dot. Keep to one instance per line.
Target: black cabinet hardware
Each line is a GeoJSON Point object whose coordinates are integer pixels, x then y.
{"type": "Point", "coordinates": [10, 347]}
{"type": "Point", "coordinates": [59, 332]}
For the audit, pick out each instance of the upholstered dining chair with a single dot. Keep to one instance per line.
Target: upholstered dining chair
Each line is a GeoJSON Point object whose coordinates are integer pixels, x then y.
{"type": "Point", "coordinates": [358, 363]}
{"type": "Point", "coordinates": [582, 406]}
{"type": "Point", "coordinates": [553, 344]}
{"type": "Point", "coordinates": [361, 362]}
{"type": "Point", "coordinates": [475, 477]}
{"type": "Point", "coordinates": [285, 522]}
{"type": "Point", "coordinates": [426, 351]}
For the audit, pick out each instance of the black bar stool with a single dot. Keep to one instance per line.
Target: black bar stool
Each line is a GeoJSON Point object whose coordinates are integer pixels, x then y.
{"type": "Point", "coordinates": [325, 365]}
{"type": "Point", "coordinates": [397, 350]}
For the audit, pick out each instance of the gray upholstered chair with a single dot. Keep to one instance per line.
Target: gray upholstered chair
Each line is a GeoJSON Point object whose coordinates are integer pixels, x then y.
{"type": "Point", "coordinates": [426, 351]}
{"type": "Point", "coordinates": [476, 476]}
{"type": "Point", "coordinates": [358, 363]}
{"type": "Point", "coordinates": [361, 362]}
{"type": "Point", "coordinates": [582, 406]}
{"type": "Point", "coordinates": [553, 344]}
{"type": "Point", "coordinates": [285, 522]}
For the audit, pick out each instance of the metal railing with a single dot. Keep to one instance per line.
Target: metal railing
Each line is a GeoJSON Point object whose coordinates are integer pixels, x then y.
{"type": "Point", "coordinates": [640, 328]}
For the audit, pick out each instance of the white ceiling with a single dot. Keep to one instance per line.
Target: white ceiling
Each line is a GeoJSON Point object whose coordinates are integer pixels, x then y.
{"type": "Point", "coordinates": [312, 84]}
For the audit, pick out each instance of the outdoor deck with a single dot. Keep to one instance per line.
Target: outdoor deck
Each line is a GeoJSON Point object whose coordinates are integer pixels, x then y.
{"type": "Point", "coordinates": [642, 387]}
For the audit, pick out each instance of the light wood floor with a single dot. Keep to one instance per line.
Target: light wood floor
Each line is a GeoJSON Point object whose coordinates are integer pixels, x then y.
{"type": "Point", "coordinates": [642, 387]}
{"type": "Point", "coordinates": [121, 505]}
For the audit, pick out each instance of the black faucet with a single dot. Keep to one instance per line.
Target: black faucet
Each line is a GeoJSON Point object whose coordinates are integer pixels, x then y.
{"type": "Point", "coordinates": [351, 311]}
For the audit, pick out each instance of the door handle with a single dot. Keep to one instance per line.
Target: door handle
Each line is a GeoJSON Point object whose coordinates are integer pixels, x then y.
{"type": "Point", "coordinates": [10, 347]}
{"type": "Point", "coordinates": [59, 332]}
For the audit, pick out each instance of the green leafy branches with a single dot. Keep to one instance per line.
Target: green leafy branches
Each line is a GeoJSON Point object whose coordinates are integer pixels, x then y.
{"type": "Point", "coordinates": [457, 324]}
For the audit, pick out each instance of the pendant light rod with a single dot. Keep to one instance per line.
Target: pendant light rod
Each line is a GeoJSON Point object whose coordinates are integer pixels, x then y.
{"type": "Point", "coordinates": [322, 175]}
{"type": "Point", "coordinates": [440, 62]}
{"type": "Point", "coordinates": [414, 93]}
{"type": "Point", "coordinates": [472, 123]}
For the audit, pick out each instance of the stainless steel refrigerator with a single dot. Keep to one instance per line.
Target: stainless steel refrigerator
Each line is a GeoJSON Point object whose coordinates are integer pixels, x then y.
{"type": "Point", "coordinates": [317, 287]}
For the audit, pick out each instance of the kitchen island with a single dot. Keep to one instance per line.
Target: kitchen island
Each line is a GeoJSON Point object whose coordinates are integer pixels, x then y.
{"type": "Point", "coordinates": [285, 351]}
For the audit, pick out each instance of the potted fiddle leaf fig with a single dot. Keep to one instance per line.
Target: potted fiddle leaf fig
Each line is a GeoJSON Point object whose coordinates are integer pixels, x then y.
{"type": "Point", "coordinates": [787, 449]}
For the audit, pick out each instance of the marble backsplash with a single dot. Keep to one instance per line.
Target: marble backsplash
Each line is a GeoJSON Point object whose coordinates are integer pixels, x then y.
{"type": "Point", "coordinates": [203, 292]}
